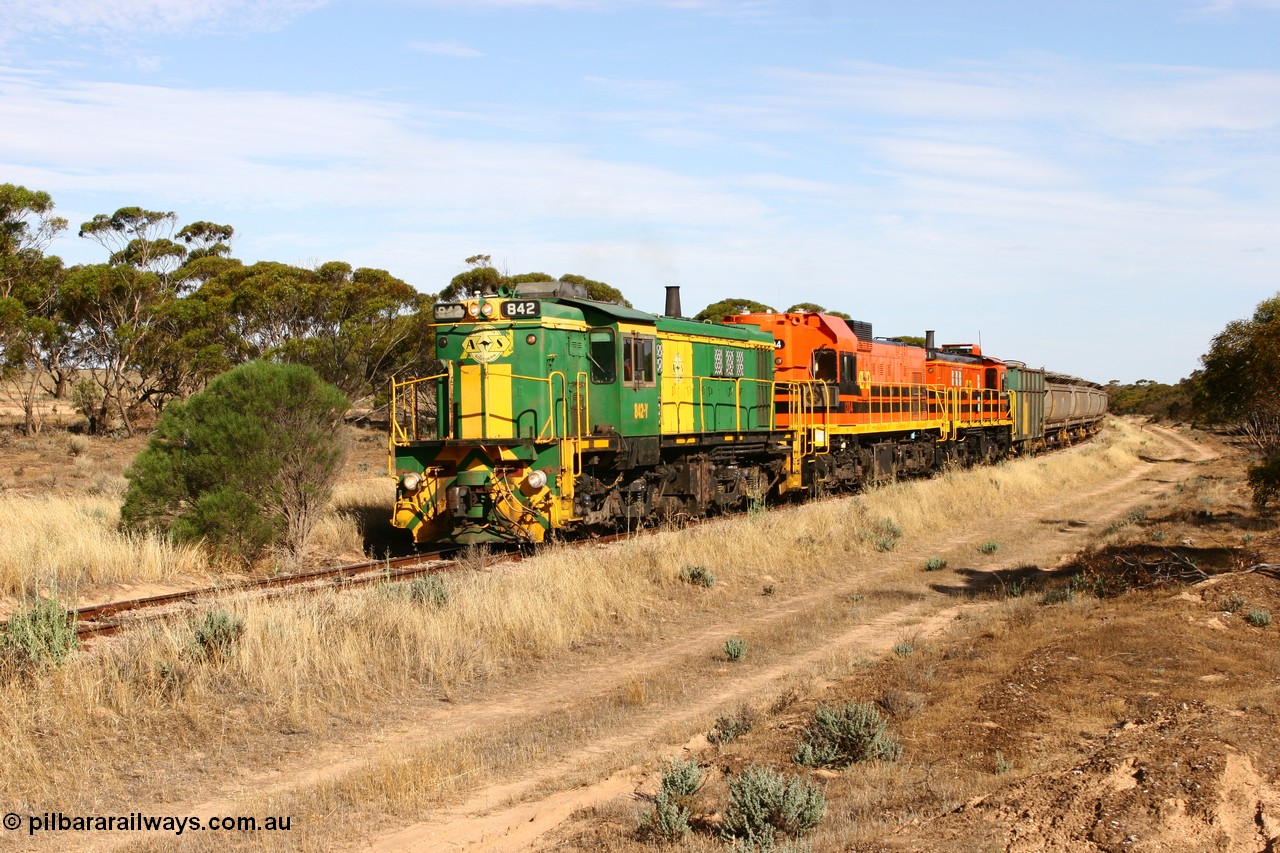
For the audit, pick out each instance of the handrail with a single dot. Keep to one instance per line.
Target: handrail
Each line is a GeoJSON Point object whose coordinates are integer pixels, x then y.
{"type": "Point", "coordinates": [738, 405]}
{"type": "Point", "coordinates": [405, 405]}
{"type": "Point", "coordinates": [398, 434]}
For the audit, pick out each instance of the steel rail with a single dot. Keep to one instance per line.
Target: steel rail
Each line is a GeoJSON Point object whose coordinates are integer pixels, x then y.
{"type": "Point", "coordinates": [104, 619]}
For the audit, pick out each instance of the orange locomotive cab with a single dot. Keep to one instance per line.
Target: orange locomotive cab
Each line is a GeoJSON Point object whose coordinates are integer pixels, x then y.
{"type": "Point", "coordinates": [858, 407]}
{"type": "Point", "coordinates": [974, 390]}
{"type": "Point", "coordinates": [864, 409]}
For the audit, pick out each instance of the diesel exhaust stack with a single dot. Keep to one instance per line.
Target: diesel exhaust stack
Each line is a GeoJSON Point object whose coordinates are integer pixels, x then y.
{"type": "Point", "coordinates": [673, 301]}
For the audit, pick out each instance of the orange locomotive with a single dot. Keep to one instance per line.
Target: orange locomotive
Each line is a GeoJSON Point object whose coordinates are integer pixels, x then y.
{"type": "Point", "coordinates": [867, 410]}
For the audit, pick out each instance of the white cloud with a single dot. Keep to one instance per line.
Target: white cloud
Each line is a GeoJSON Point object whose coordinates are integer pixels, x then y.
{"type": "Point", "coordinates": [989, 164]}
{"type": "Point", "coordinates": [295, 152]}
{"type": "Point", "coordinates": [445, 48]}
{"type": "Point", "coordinates": [149, 17]}
{"type": "Point", "coordinates": [1140, 104]}
{"type": "Point", "coordinates": [725, 7]}
{"type": "Point", "coordinates": [1225, 7]}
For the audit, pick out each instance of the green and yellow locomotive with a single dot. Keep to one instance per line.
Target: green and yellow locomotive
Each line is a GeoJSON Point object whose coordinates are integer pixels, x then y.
{"type": "Point", "coordinates": [556, 412]}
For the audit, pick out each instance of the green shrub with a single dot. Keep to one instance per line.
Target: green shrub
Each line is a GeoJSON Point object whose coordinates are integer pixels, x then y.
{"type": "Point", "coordinates": [245, 465]}
{"type": "Point", "coordinates": [1096, 584]}
{"type": "Point", "coordinates": [43, 632]}
{"type": "Point", "coordinates": [735, 649]}
{"type": "Point", "coordinates": [989, 547]}
{"type": "Point", "coordinates": [698, 576]}
{"type": "Point", "coordinates": [681, 778]}
{"type": "Point", "coordinates": [86, 397]}
{"type": "Point", "coordinates": [885, 534]}
{"type": "Point", "coordinates": [429, 589]}
{"type": "Point", "coordinates": [1002, 766]}
{"type": "Point", "coordinates": [669, 820]}
{"type": "Point", "coordinates": [731, 728]}
{"type": "Point", "coordinates": [844, 735]}
{"type": "Point", "coordinates": [934, 563]}
{"type": "Point", "coordinates": [1233, 603]}
{"type": "Point", "coordinates": [1058, 596]}
{"type": "Point", "coordinates": [763, 804]}
{"type": "Point", "coordinates": [1264, 479]}
{"type": "Point", "coordinates": [1258, 617]}
{"type": "Point", "coordinates": [215, 633]}
{"type": "Point", "coordinates": [903, 648]}
{"type": "Point", "coordinates": [1017, 587]}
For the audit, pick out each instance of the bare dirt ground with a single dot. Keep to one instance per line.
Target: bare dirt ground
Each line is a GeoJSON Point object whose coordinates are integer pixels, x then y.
{"type": "Point", "coordinates": [1140, 715]}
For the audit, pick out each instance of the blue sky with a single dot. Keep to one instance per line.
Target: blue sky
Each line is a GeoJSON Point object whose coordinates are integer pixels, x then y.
{"type": "Point", "coordinates": [1090, 186]}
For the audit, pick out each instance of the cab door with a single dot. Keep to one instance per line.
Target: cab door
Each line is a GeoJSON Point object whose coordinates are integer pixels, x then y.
{"type": "Point", "coordinates": [638, 378]}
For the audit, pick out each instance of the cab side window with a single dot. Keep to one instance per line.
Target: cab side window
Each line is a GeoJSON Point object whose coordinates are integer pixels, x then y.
{"type": "Point", "coordinates": [824, 365]}
{"type": "Point", "coordinates": [637, 361]}
{"type": "Point", "coordinates": [604, 357]}
{"type": "Point", "coordinates": [849, 374]}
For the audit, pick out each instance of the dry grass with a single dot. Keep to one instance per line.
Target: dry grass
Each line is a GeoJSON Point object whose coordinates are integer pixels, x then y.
{"type": "Point", "coordinates": [74, 542]}
{"type": "Point", "coordinates": [303, 665]}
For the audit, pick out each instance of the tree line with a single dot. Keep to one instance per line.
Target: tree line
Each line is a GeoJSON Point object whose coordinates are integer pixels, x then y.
{"type": "Point", "coordinates": [170, 308]}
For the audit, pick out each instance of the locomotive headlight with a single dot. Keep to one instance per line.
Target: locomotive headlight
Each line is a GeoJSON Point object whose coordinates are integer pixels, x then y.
{"type": "Point", "coordinates": [474, 310]}
{"type": "Point", "coordinates": [410, 482]}
{"type": "Point", "coordinates": [487, 309]}
{"type": "Point", "coordinates": [536, 479]}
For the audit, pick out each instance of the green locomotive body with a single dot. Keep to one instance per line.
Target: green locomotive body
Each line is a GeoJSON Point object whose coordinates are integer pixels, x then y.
{"type": "Point", "coordinates": [554, 411]}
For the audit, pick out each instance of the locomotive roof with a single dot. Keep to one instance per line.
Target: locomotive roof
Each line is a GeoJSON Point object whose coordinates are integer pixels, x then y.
{"type": "Point", "coordinates": [679, 325]}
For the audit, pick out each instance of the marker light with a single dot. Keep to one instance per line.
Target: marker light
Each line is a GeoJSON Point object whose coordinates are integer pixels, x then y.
{"type": "Point", "coordinates": [530, 339]}
{"type": "Point", "coordinates": [536, 479]}
{"type": "Point", "coordinates": [474, 310]}
{"type": "Point", "coordinates": [410, 482]}
{"type": "Point", "coordinates": [487, 309]}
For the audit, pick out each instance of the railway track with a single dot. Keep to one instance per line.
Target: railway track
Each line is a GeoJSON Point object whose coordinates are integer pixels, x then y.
{"type": "Point", "coordinates": [104, 619]}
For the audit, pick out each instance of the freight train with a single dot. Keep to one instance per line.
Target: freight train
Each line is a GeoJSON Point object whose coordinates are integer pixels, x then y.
{"type": "Point", "coordinates": [556, 413]}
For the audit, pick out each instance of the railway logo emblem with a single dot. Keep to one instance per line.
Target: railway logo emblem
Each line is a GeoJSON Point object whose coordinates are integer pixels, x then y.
{"type": "Point", "coordinates": [486, 345]}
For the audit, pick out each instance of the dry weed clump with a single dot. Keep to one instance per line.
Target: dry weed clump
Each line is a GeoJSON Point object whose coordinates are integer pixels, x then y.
{"type": "Point", "coordinates": [75, 542]}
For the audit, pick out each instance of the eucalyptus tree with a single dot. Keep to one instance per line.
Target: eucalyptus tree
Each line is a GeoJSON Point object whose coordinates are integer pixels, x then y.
{"type": "Point", "coordinates": [481, 276]}
{"type": "Point", "coordinates": [28, 289]}
{"type": "Point", "coordinates": [142, 344]}
{"type": "Point", "coordinates": [717, 311]}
